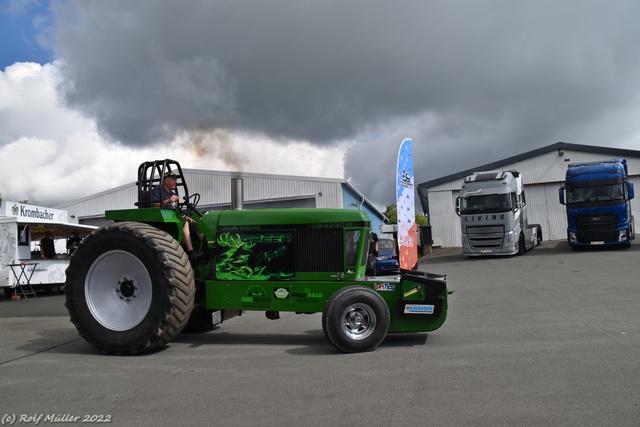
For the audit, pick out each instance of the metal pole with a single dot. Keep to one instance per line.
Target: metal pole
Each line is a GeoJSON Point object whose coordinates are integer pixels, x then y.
{"type": "Point", "coordinates": [236, 193]}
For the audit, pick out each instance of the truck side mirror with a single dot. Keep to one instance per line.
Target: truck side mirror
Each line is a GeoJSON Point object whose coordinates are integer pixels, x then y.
{"type": "Point", "coordinates": [561, 195]}
{"type": "Point", "coordinates": [630, 189]}
{"type": "Point", "coordinates": [458, 206]}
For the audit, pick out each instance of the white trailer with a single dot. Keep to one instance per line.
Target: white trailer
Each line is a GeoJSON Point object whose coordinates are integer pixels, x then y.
{"type": "Point", "coordinates": [493, 215]}
{"type": "Point", "coordinates": [22, 227]}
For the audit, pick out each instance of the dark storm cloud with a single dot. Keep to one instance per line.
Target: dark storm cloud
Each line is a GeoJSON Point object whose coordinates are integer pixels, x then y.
{"type": "Point", "coordinates": [469, 81]}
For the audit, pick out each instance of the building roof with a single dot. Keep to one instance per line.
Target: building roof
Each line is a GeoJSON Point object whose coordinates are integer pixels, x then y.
{"type": "Point", "coordinates": [613, 152]}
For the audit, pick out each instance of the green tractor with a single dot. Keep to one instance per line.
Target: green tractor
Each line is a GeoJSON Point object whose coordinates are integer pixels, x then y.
{"type": "Point", "coordinates": [132, 288]}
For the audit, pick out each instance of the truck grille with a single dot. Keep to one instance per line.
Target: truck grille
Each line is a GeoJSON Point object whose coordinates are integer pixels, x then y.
{"type": "Point", "coordinates": [489, 237]}
{"type": "Point", "coordinates": [598, 227]}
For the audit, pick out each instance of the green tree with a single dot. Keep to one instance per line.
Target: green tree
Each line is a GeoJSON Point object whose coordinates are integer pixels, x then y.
{"type": "Point", "coordinates": [391, 212]}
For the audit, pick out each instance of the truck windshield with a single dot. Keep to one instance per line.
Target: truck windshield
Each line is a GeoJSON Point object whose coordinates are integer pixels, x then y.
{"type": "Point", "coordinates": [485, 203]}
{"type": "Point", "coordinates": [600, 193]}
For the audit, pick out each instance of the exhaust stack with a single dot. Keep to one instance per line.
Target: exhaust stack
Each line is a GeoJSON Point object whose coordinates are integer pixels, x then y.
{"type": "Point", "coordinates": [236, 193]}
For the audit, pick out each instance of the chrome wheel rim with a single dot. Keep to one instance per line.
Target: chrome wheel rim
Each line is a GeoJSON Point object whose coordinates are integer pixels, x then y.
{"type": "Point", "coordinates": [358, 321]}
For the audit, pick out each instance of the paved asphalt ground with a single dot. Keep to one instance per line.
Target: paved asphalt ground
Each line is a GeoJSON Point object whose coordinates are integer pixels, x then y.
{"type": "Point", "coordinates": [551, 338]}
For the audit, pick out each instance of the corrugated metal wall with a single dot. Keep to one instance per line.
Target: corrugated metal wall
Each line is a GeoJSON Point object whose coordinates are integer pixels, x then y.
{"type": "Point", "coordinates": [215, 189]}
{"type": "Point", "coordinates": [546, 210]}
{"type": "Point", "coordinates": [445, 224]}
{"type": "Point", "coordinates": [542, 177]}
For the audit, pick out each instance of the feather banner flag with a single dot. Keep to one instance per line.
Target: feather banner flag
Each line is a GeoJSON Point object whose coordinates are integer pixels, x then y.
{"type": "Point", "coordinates": [407, 227]}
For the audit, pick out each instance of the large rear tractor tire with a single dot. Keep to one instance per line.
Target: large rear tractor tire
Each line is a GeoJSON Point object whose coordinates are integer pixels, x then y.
{"type": "Point", "coordinates": [130, 288]}
{"type": "Point", "coordinates": [355, 319]}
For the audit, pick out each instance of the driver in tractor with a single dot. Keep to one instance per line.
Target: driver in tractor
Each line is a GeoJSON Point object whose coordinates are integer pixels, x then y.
{"type": "Point", "coordinates": [169, 199]}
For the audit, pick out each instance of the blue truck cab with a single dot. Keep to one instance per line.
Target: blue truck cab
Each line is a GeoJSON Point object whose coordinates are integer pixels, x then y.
{"type": "Point", "coordinates": [598, 196]}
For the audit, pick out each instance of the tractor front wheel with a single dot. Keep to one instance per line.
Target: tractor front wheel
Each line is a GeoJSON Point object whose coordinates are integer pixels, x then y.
{"type": "Point", "coordinates": [355, 319]}
{"type": "Point", "coordinates": [130, 288]}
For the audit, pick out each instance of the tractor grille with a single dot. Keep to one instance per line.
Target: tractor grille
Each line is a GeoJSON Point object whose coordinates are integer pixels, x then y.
{"type": "Point", "coordinates": [599, 227]}
{"type": "Point", "coordinates": [489, 237]}
{"type": "Point", "coordinates": [319, 250]}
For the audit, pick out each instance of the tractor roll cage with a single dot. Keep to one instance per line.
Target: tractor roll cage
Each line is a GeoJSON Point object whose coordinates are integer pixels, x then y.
{"type": "Point", "coordinates": [150, 176]}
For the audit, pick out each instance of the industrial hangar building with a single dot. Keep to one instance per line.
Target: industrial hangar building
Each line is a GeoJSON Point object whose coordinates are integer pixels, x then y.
{"type": "Point", "coordinates": [543, 173]}
{"type": "Point", "coordinates": [215, 188]}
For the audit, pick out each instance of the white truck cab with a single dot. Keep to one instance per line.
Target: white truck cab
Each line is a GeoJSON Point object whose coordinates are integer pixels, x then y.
{"type": "Point", "coordinates": [493, 215]}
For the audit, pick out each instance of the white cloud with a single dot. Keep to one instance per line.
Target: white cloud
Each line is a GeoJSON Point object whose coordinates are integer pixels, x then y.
{"type": "Point", "coordinates": [278, 88]}
{"type": "Point", "coordinates": [52, 155]}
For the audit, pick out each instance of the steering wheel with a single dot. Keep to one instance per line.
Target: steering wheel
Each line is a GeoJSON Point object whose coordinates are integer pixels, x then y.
{"type": "Point", "coordinates": [188, 206]}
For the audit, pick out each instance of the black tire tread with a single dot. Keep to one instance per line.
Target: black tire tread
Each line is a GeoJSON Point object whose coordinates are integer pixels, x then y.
{"type": "Point", "coordinates": [178, 271]}
{"type": "Point", "coordinates": [521, 245]}
{"type": "Point", "coordinates": [336, 339]}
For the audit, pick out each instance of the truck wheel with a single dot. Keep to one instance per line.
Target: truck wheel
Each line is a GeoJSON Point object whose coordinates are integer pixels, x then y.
{"type": "Point", "coordinates": [521, 245]}
{"type": "Point", "coordinates": [355, 319]}
{"type": "Point", "coordinates": [539, 236]}
{"type": "Point", "coordinates": [130, 288]}
{"type": "Point", "coordinates": [52, 288]}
